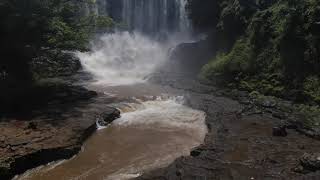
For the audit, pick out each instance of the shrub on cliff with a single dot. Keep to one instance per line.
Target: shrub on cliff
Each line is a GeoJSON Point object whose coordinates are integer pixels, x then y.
{"type": "Point", "coordinates": [231, 64]}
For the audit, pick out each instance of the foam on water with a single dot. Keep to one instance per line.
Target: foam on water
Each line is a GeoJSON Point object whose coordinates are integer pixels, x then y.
{"type": "Point", "coordinates": [164, 113]}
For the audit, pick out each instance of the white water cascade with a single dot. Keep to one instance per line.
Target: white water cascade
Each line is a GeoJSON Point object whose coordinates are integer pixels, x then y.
{"type": "Point", "coordinates": [123, 58]}
{"type": "Point", "coordinates": [155, 16]}
{"type": "Point", "coordinates": [130, 57]}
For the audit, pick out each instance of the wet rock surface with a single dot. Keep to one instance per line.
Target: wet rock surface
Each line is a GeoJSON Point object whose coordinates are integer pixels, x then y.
{"type": "Point", "coordinates": [108, 116]}
{"type": "Point", "coordinates": [53, 132]}
{"type": "Point", "coordinates": [247, 139]}
{"type": "Point", "coordinates": [310, 162]}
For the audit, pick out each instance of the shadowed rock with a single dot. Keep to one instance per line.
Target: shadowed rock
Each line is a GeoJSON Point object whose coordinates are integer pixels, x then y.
{"type": "Point", "coordinates": [279, 131]}
{"type": "Point", "coordinates": [310, 162]}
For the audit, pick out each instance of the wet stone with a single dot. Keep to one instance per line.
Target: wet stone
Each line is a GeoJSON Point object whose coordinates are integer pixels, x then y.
{"type": "Point", "coordinates": [108, 116]}
{"type": "Point", "coordinates": [310, 162]}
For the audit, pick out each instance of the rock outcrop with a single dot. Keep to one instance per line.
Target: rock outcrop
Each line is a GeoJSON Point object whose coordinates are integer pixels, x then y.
{"type": "Point", "coordinates": [54, 132]}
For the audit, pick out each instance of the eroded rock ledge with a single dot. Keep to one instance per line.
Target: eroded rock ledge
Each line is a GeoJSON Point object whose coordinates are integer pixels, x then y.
{"type": "Point", "coordinates": [54, 134]}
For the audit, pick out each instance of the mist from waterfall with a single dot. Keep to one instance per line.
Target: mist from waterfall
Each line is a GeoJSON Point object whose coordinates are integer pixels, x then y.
{"type": "Point", "coordinates": [123, 58]}
{"type": "Point", "coordinates": [154, 27]}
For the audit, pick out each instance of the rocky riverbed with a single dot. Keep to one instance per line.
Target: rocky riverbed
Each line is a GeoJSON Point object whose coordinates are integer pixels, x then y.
{"type": "Point", "coordinates": [247, 139]}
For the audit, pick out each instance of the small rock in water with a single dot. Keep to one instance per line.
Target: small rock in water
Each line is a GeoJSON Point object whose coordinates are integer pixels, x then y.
{"type": "Point", "coordinates": [279, 131]}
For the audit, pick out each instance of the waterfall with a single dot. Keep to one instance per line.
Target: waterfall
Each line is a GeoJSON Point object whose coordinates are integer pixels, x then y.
{"type": "Point", "coordinates": [148, 16]}
{"type": "Point", "coordinates": [123, 58]}
{"type": "Point", "coordinates": [129, 57]}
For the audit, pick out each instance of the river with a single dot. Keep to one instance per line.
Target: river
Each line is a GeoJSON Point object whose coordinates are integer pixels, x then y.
{"type": "Point", "coordinates": [155, 126]}
{"type": "Point", "coordinates": [154, 129]}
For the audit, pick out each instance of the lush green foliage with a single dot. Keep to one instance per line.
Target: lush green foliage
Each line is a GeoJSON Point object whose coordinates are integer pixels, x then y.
{"type": "Point", "coordinates": [233, 63]}
{"type": "Point", "coordinates": [275, 47]}
{"type": "Point", "coordinates": [31, 27]}
{"type": "Point", "coordinates": [35, 34]}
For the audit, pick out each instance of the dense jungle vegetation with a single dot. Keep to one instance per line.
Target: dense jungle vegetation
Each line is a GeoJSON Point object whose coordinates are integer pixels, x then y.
{"type": "Point", "coordinates": [35, 38]}
{"type": "Point", "coordinates": [31, 27]}
{"type": "Point", "coordinates": [272, 47]}
{"type": "Point", "coordinates": [268, 46]}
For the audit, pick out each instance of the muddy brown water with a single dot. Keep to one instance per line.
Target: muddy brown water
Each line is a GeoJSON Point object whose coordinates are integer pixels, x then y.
{"type": "Point", "coordinates": [153, 131]}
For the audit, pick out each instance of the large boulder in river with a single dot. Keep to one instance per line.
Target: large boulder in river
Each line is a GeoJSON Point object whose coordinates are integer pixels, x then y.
{"type": "Point", "coordinates": [108, 116]}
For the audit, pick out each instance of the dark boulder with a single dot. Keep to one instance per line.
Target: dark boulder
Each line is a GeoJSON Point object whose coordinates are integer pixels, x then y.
{"type": "Point", "coordinates": [279, 131]}
{"type": "Point", "coordinates": [196, 152]}
{"type": "Point", "coordinates": [310, 162]}
{"type": "Point", "coordinates": [32, 125]}
{"type": "Point", "coordinates": [108, 116]}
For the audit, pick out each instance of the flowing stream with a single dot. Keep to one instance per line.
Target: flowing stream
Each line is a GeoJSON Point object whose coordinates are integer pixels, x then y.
{"type": "Point", "coordinates": [155, 127]}
{"type": "Point", "coordinates": [151, 133]}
